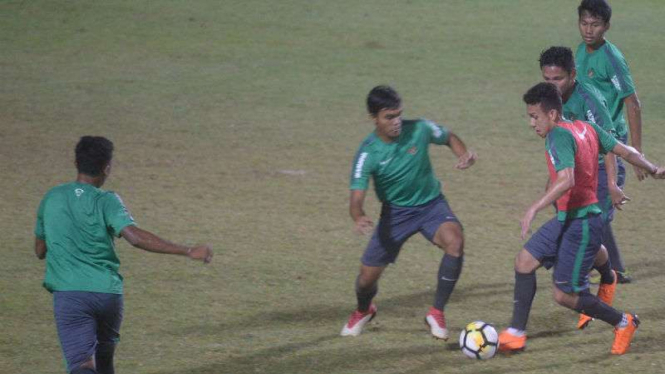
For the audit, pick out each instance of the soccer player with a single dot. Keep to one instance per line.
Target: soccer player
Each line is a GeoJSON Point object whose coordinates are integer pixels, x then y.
{"type": "Point", "coordinates": [570, 241]}
{"type": "Point", "coordinates": [396, 156]}
{"type": "Point", "coordinates": [602, 64]}
{"type": "Point", "coordinates": [581, 101]}
{"type": "Point", "coordinates": [75, 230]}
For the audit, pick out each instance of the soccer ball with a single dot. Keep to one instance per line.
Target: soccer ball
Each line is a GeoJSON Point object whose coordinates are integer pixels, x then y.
{"type": "Point", "coordinates": [479, 340]}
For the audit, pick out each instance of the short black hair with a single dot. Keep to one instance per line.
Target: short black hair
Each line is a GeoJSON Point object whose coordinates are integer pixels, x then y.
{"type": "Point", "coordinates": [558, 56]}
{"type": "Point", "coordinates": [545, 94]}
{"type": "Point", "coordinates": [382, 97]}
{"type": "Point", "coordinates": [596, 8]}
{"type": "Point", "coordinates": [93, 153]}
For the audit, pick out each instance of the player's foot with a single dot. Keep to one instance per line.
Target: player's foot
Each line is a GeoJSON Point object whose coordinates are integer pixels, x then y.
{"type": "Point", "coordinates": [624, 335]}
{"type": "Point", "coordinates": [624, 277]}
{"type": "Point", "coordinates": [437, 323]}
{"type": "Point", "coordinates": [606, 295]}
{"type": "Point", "coordinates": [509, 342]}
{"type": "Point", "coordinates": [357, 321]}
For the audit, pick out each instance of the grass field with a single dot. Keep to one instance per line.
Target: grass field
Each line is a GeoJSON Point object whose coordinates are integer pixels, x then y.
{"type": "Point", "coordinates": [235, 124]}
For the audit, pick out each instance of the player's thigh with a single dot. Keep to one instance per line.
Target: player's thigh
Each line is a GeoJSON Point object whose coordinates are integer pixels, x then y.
{"type": "Point", "coordinates": [580, 244]}
{"type": "Point", "coordinates": [542, 246]}
{"type": "Point", "coordinates": [109, 318]}
{"type": "Point", "coordinates": [76, 324]}
{"type": "Point", "coordinates": [450, 237]}
{"type": "Point", "coordinates": [396, 225]}
{"type": "Point", "coordinates": [440, 225]}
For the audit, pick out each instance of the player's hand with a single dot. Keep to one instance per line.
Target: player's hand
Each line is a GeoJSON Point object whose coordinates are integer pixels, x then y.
{"type": "Point", "coordinates": [466, 160]}
{"type": "Point", "coordinates": [526, 222]}
{"type": "Point", "coordinates": [618, 197]}
{"type": "Point", "coordinates": [640, 173]}
{"type": "Point", "coordinates": [200, 252]}
{"type": "Point", "coordinates": [660, 173]}
{"type": "Point", "coordinates": [364, 225]}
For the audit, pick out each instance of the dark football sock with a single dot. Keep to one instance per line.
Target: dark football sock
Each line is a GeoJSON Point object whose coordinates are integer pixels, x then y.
{"type": "Point", "coordinates": [592, 306]}
{"type": "Point", "coordinates": [612, 249]}
{"type": "Point", "coordinates": [525, 290]}
{"type": "Point", "coordinates": [449, 272]}
{"type": "Point", "coordinates": [104, 358]}
{"type": "Point", "coordinates": [606, 274]}
{"type": "Point", "coordinates": [365, 296]}
{"type": "Point", "coordinates": [84, 371]}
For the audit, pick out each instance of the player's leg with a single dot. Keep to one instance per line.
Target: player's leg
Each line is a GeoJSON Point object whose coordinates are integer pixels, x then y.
{"type": "Point", "coordinates": [609, 241]}
{"type": "Point", "coordinates": [441, 227]}
{"type": "Point", "coordinates": [108, 331]}
{"type": "Point", "coordinates": [77, 330]}
{"type": "Point", "coordinates": [608, 282]}
{"type": "Point", "coordinates": [539, 251]}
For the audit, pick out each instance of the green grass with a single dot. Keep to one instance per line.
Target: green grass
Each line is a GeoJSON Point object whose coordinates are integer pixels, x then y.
{"type": "Point", "coordinates": [235, 123]}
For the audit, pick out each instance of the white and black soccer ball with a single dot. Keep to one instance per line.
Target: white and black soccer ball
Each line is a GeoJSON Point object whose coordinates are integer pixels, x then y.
{"type": "Point", "coordinates": [479, 340]}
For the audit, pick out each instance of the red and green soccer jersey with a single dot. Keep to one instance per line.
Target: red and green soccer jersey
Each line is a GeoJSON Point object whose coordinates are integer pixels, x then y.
{"type": "Point", "coordinates": [401, 170]}
{"type": "Point", "coordinates": [577, 145]}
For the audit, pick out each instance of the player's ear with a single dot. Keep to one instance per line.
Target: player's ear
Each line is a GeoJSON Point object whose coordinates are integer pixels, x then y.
{"type": "Point", "coordinates": [573, 73]}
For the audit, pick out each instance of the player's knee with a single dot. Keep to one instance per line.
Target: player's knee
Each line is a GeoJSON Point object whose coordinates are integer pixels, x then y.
{"type": "Point", "coordinates": [525, 263]}
{"type": "Point", "coordinates": [454, 245]}
{"type": "Point", "coordinates": [88, 367]}
{"type": "Point", "coordinates": [563, 299]}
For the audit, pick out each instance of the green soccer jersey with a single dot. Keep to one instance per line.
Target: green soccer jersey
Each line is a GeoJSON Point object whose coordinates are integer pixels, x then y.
{"type": "Point", "coordinates": [401, 170]}
{"type": "Point", "coordinates": [78, 223]}
{"type": "Point", "coordinates": [607, 70]}
{"type": "Point", "coordinates": [587, 104]}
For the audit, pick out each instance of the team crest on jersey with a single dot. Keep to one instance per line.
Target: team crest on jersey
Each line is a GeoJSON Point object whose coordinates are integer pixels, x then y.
{"type": "Point", "coordinates": [413, 150]}
{"type": "Point", "coordinates": [591, 73]}
{"type": "Point", "coordinates": [78, 192]}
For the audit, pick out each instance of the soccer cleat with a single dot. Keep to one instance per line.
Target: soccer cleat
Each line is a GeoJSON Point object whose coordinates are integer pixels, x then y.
{"type": "Point", "coordinates": [624, 277]}
{"type": "Point", "coordinates": [436, 321]}
{"type": "Point", "coordinates": [624, 335]}
{"type": "Point", "coordinates": [357, 321]}
{"type": "Point", "coordinates": [511, 343]}
{"type": "Point", "coordinates": [606, 295]}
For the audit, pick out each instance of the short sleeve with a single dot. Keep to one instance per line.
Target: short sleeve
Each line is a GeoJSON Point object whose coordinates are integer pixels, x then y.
{"type": "Point", "coordinates": [361, 170]}
{"type": "Point", "coordinates": [437, 134]}
{"type": "Point", "coordinates": [606, 141]}
{"type": "Point", "coordinates": [116, 215]}
{"type": "Point", "coordinates": [40, 233]}
{"type": "Point", "coordinates": [619, 73]}
{"type": "Point", "coordinates": [596, 110]}
{"type": "Point", "coordinates": [561, 148]}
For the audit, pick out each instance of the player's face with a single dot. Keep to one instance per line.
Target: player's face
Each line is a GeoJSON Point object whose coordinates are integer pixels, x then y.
{"type": "Point", "coordinates": [388, 123]}
{"type": "Point", "coordinates": [540, 120]}
{"type": "Point", "coordinates": [564, 81]}
{"type": "Point", "coordinates": [592, 30]}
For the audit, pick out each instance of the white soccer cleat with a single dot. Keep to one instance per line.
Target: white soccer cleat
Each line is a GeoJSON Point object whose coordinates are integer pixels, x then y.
{"type": "Point", "coordinates": [437, 323]}
{"type": "Point", "coordinates": [357, 321]}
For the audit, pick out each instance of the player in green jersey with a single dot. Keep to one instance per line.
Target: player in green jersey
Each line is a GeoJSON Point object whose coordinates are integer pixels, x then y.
{"type": "Point", "coordinates": [600, 63]}
{"type": "Point", "coordinates": [75, 230]}
{"type": "Point", "coordinates": [396, 157]}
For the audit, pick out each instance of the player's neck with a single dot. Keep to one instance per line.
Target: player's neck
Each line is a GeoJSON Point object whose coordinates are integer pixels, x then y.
{"type": "Point", "coordinates": [566, 95]}
{"type": "Point", "coordinates": [87, 179]}
{"type": "Point", "coordinates": [590, 48]}
{"type": "Point", "coordinates": [385, 138]}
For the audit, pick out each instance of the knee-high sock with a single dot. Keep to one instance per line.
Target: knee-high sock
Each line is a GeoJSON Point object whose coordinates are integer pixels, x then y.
{"type": "Point", "coordinates": [365, 295]}
{"type": "Point", "coordinates": [592, 306]}
{"type": "Point", "coordinates": [612, 249]}
{"type": "Point", "coordinates": [84, 371]}
{"type": "Point", "coordinates": [104, 358]}
{"type": "Point", "coordinates": [605, 270]}
{"type": "Point", "coordinates": [449, 271]}
{"type": "Point", "coordinates": [525, 290]}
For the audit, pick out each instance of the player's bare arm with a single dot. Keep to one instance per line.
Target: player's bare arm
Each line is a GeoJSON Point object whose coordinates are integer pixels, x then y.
{"type": "Point", "coordinates": [565, 180]}
{"type": "Point", "coordinates": [150, 242]}
{"type": "Point", "coordinates": [635, 158]}
{"type": "Point", "coordinates": [465, 157]}
{"type": "Point", "coordinates": [363, 225]}
{"type": "Point", "coordinates": [634, 117]}
{"type": "Point", "coordinates": [616, 193]}
{"type": "Point", "coordinates": [40, 248]}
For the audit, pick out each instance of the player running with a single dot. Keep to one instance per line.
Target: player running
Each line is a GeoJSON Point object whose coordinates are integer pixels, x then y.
{"type": "Point", "coordinates": [602, 64]}
{"type": "Point", "coordinates": [581, 101]}
{"type": "Point", "coordinates": [75, 229]}
{"type": "Point", "coordinates": [570, 241]}
{"type": "Point", "coordinates": [396, 156]}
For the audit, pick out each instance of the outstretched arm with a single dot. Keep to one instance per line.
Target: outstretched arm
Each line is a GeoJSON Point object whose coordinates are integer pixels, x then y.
{"type": "Point", "coordinates": [363, 225]}
{"type": "Point", "coordinates": [40, 248]}
{"type": "Point", "coordinates": [616, 194]}
{"type": "Point", "coordinates": [635, 158]}
{"type": "Point", "coordinates": [150, 242]}
{"type": "Point", "coordinates": [634, 116]}
{"type": "Point", "coordinates": [465, 157]}
{"type": "Point", "coordinates": [565, 180]}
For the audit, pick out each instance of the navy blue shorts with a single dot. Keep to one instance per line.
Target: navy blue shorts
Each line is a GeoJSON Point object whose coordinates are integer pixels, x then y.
{"type": "Point", "coordinates": [570, 247]}
{"type": "Point", "coordinates": [397, 224]}
{"type": "Point", "coordinates": [84, 320]}
{"type": "Point", "coordinates": [603, 192]}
